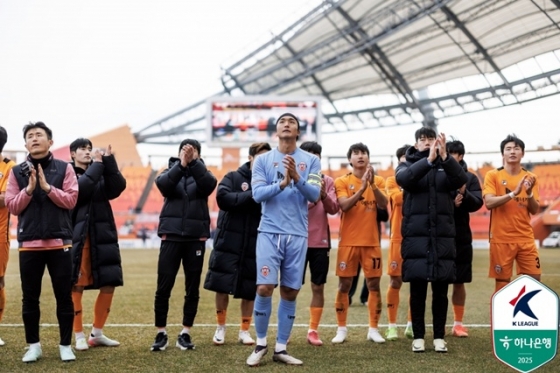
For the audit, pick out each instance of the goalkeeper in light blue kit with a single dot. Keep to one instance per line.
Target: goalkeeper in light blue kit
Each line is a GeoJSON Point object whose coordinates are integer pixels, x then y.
{"type": "Point", "coordinates": [283, 180]}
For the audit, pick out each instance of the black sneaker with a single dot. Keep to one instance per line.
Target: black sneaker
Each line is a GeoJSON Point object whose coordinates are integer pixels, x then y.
{"type": "Point", "coordinates": [160, 343]}
{"type": "Point", "coordinates": [184, 342]}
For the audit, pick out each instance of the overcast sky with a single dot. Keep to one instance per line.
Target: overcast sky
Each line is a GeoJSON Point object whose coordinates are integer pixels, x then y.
{"type": "Point", "coordinates": [83, 67]}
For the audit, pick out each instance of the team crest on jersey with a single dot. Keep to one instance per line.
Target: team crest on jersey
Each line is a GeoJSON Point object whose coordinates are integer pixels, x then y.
{"type": "Point", "coordinates": [498, 269]}
{"type": "Point", "coordinates": [265, 271]}
{"type": "Point", "coordinates": [394, 265]}
{"type": "Point", "coordinates": [244, 186]}
{"type": "Point", "coordinates": [1, 175]}
{"type": "Point", "coordinates": [342, 266]}
{"type": "Point", "coordinates": [275, 164]}
{"type": "Point", "coordinates": [302, 166]}
{"type": "Point", "coordinates": [351, 186]}
{"type": "Point", "coordinates": [504, 182]}
{"type": "Point", "coordinates": [198, 252]}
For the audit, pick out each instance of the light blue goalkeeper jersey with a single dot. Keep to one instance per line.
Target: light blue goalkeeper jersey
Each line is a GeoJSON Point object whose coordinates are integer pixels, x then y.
{"type": "Point", "coordinates": [285, 211]}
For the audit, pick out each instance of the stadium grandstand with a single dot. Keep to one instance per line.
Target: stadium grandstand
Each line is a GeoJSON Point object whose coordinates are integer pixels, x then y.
{"type": "Point", "coordinates": [373, 64]}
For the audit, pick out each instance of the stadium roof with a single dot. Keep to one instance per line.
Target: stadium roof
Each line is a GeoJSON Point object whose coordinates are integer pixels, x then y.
{"type": "Point", "coordinates": [380, 63]}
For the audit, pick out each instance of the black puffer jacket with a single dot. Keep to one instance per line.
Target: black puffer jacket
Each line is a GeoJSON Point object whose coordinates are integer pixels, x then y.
{"type": "Point", "coordinates": [232, 266]}
{"type": "Point", "coordinates": [428, 228]}
{"type": "Point", "coordinates": [185, 214]}
{"type": "Point", "coordinates": [93, 217]}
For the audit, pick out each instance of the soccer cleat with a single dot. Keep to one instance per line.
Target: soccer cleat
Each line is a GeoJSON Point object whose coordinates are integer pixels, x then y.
{"type": "Point", "coordinates": [219, 336]}
{"type": "Point", "coordinates": [184, 342]}
{"type": "Point", "coordinates": [102, 340]}
{"type": "Point", "coordinates": [284, 357]}
{"type": "Point", "coordinates": [408, 332]}
{"type": "Point", "coordinates": [313, 338]}
{"type": "Point", "coordinates": [81, 344]}
{"type": "Point", "coordinates": [256, 356]}
{"type": "Point", "coordinates": [460, 331]}
{"type": "Point", "coordinates": [33, 354]}
{"type": "Point", "coordinates": [391, 333]}
{"type": "Point", "coordinates": [373, 335]}
{"type": "Point", "coordinates": [2, 343]}
{"type": "Point", "coordinates": [340, 336]}
{"type": "Point", "coordinates": [245, 338]}
{"type": "Point", "coordinates": [66, 353]}
{"type": "Point", "coordinates": [161, 342]}
{"type": "Point", "coordinates": [418, 345]}
{"type": "Point", "coordinates": [440, 345]}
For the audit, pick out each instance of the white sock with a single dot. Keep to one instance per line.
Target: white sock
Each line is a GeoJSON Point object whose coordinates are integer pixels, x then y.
{"type": "Point", "coordinates": [280, 347]}
{"type": "Point", "coordinates": [392, 325]}
{"type": "Point", "coordinates": [186, 330]}
{"type": "Point", "coordinates": [96, 332]}
{"type": "Point", "coordinates": [261, 341]}
{"type": "Point", "coordinates": [80, 335]}
{"type": "Point", "coordinates": [162, 330]}
{"type": "Point", "coordinates": [409, 323]}
{"type": "Point", "coordinates": [455, 323]}
{"type": "Point", "coordinates": [311, 330]}
{"type": "Point", "coordinates": [373, 329]}
{"type": "Point", "coordinates": [38, 344]}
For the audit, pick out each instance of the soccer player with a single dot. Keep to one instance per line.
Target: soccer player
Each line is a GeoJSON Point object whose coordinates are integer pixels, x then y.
{"type": "Point", "coordinates": [6, 165]}
{"type": "Point", "coordinates": [42, 192]}
{"type": "Point", "coordinates": [184, 227]}
{"type": "Point", "coordinates": [359, 194]}
{"type": "Point", "coordinates": [319, 245]}
{"type": "Point", "coordinates": [232, 267]}
{"type": "Point", "coordinates": [467, 199]}
{"type": "Point", "coordinates": [284, 180]}
{"type": "Point", "coordinates": [511, 194]}
{"type": "Point", "coordinates": [394, 268]}
{"type": "Point", "coordinates": [428, 177]}
{"type": "Point", "coordinates": [95, 246]}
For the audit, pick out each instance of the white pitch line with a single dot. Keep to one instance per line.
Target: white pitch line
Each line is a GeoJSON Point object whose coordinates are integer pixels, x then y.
{"type": "Point", "coordinates": [233, 325]}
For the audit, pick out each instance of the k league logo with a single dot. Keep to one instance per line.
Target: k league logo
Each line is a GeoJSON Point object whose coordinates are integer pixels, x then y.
{"type": "Point", "coordinates": [521, 304]}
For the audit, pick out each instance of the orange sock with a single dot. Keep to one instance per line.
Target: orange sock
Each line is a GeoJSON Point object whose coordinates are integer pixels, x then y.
{"type": "Point", "coordinates": [315, 314]}
{"type": "Point", "coordinates": [101, 309]}
{"type": "Point", "coordinates": [409, 315]}
{"type": "Point", "coordinates": [374, 308]}
{"type": "Point", "coordinates": [341, 306]}
{"type": "Point", "coordinates": [78, 317]}
{"type": "Point", "coordinates": [458, 312]}
{"type": "Point", "coordinates": [2, 302]}
{"type": "Point", "coordinates": [393, 301]}
{"type": "Point", "coordinates": [221, 316]}
{"type": "Point", "coordinates": [245, 323]}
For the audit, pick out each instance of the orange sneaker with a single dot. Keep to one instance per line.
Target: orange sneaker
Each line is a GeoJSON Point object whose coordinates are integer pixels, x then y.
{"type": "Point", "coordinates": [460, 331]}
{"type": "Point", "coordinates": [313, 338]}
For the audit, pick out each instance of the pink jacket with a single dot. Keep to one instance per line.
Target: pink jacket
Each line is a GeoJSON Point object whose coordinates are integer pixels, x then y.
{"type": "Point", "coordinates": [318, 226]}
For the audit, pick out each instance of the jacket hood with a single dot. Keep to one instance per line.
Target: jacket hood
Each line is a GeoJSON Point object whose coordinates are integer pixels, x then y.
{"type": "Point", "coordinates": [245, 170]}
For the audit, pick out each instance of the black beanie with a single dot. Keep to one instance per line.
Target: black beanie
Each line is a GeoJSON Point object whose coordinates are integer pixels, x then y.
{"type": "Point", "coordinates": [288, 115]}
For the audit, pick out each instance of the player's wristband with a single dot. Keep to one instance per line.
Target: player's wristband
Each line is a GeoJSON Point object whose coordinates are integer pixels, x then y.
{"type": "Point", "coordinates": [512, 195]}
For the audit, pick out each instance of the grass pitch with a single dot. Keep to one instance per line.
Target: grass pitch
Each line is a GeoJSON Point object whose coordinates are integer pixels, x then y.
{"type": "Point", "coordinates": [131, 322]}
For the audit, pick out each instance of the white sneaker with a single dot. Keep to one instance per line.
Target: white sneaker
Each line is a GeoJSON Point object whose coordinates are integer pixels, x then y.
{"type": "Point", "coordinates": [245, 338]}
{"type": "Point", "coordinates": [33, 354]}
{"type": "Point", "coordinates": [418, 345]}
{"type": "Point", "coordinates": [256, 356]}
{"type": "Point", "coordinates": [440, 345]}
{"type": "Point", "coordinates": [2, 343]}
{"type": "Point", "coordinates": [219, 336]}
{"type": "Point", "coordinates": [81, 344]}
{"type": "Point", "coordinates": [284, 357]}
{"type": "Point", "coordinates": [102, 340]}
{"type": "Point", "coordinates": [66, 353]}
{"type": "Point", "coordinates": [373, 335]}
{"type": "Point", "coordinates": [340, 336]}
